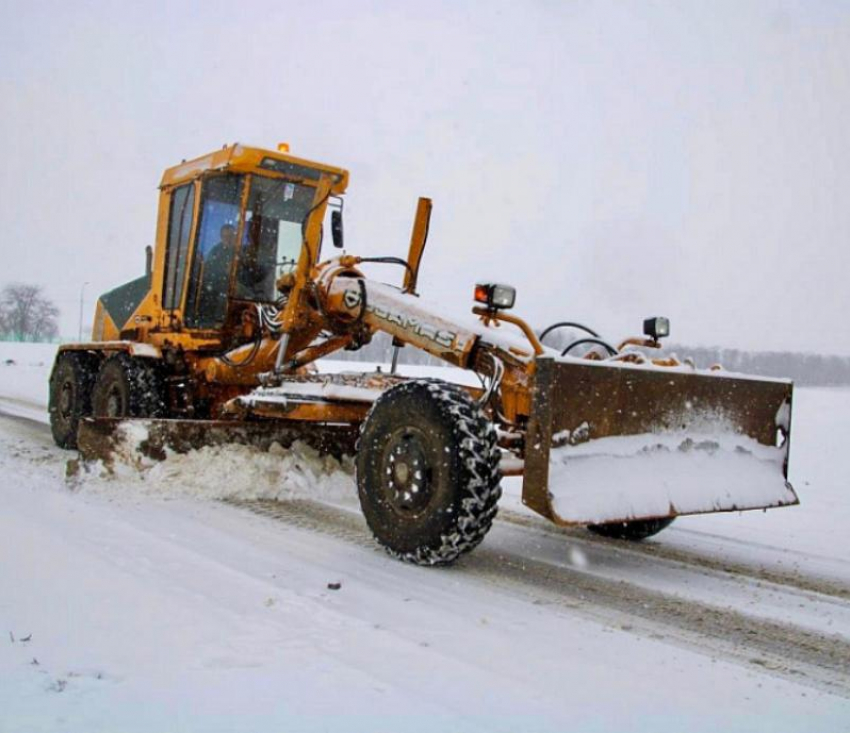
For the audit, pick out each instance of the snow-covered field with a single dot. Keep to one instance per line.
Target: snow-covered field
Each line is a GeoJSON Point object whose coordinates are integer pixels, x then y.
{"type": "Point", "coordinates": [138, 602]}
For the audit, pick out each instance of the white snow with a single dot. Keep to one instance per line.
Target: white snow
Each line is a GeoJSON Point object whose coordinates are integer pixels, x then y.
{"type": "Point", "coordinates": [25, 379]}
{"type": "Point", "coordinates": [627, 477]}
{"type": "Point", "coordinates": [220, 472]}
{"type": "Point", "coordinates": [149, 607]}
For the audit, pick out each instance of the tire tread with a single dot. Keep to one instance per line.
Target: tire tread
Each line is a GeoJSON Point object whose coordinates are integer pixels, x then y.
{"type": "Point", "coordinates": [480, 477]}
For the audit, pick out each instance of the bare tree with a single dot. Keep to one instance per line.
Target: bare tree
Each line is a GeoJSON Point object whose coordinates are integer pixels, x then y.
{"type": "Point", "coordinates": [26, 314]}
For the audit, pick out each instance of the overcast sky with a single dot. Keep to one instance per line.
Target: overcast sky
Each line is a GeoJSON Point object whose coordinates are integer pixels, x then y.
{"type": "Point", "coordinates": [611, 160]}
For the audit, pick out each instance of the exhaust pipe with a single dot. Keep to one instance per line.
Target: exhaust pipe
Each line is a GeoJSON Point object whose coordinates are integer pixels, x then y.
{"type": "Point", "coordinates": [149, 263]}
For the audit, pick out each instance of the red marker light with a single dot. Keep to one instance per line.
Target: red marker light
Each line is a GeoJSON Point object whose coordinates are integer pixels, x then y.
{"type": "Point", "coordinates": [482, 294]}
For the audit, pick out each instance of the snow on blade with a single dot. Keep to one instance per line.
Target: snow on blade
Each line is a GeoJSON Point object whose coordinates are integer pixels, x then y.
{"type": "Point", "coordinates": [649, 366]}
{"type": "Point", "coordinates": [656, 475]}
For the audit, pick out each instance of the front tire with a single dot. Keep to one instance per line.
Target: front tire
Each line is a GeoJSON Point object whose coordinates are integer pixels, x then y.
{"type": "Point", "coordinates": [428, 472]}
{"type": "Point", "coordinates": [636, 530]}
{"type": "Point", "coordinates": [70, 396]}
{"type": "Point", "coordinates": [127, 387]}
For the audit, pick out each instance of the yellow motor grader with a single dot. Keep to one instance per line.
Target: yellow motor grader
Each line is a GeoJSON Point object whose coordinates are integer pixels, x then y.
{"type": "Point", "coordinates": [220, 339]}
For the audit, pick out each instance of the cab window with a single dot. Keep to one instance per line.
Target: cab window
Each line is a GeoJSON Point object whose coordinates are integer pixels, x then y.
{"type": "Point", "coordinates": [179, 229]}
{"type": "Point", "coordinates": [272, 237]}
{"type": "Point", "coordinates": [215, 250]}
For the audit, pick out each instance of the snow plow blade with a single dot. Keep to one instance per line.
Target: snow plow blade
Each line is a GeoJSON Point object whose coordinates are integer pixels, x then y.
{"type": "Point", "coordinates": [616, 443]}
{"type": "Point", "coordinates": [101, 438]}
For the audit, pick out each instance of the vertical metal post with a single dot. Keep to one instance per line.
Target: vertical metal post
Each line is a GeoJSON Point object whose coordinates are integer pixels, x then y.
{"type": "Point", "coordinates": [281, 353]}
{"type": "Point", "coordinates": [82, 291]}
{"type": "Point", "coordinates": [394, 363]}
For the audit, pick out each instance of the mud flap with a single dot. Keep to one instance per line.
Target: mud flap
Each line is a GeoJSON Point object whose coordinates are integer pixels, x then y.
{"type": "Point", "coordinates": [614, 442]}
{"type": "Point", "coordinates": [99, 438]}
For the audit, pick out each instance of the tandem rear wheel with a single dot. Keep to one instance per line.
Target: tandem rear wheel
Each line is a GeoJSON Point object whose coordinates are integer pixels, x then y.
{"type": "Point", "coordinates": [128, 387]}
{"type": "Point", "coordinates": [70, 395]}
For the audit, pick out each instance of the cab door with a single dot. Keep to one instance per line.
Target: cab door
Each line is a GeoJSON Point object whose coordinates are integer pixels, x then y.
{"type": "Point", "coordinates": [216, 246]}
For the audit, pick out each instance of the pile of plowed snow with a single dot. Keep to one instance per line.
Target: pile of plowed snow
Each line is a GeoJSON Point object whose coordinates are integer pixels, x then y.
{"type": "Point", "coordinates": [222, 472]}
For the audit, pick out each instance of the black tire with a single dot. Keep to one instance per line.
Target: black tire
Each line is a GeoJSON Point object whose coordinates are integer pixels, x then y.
{"type": "Point", "coordinates": [428, 472]}
{"type": "Point", "coordinates": [636, 530]}
{"type": "Point", "coordinates": [128, 387]}
{"type": "Point", "coordinates": [70, 396]}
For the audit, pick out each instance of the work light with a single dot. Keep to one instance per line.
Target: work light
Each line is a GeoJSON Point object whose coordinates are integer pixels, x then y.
{"type": "Point", "coordinates": [495, 295]}
{"type": "Point", "coordinates": [656, 328]}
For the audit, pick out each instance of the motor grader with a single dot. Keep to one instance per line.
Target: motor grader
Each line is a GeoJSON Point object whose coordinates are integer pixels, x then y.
{"type": "Point", "coordinates": [220, 339]}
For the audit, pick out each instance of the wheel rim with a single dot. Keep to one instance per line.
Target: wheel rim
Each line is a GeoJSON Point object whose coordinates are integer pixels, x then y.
{"type": "Point", "coordinates": [407, 473]}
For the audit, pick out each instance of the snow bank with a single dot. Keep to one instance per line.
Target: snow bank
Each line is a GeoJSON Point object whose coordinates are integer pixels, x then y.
{"type": "Point", "coordinates": [25, 371]}
{"type": "Point", "coordinates": [220, 472]}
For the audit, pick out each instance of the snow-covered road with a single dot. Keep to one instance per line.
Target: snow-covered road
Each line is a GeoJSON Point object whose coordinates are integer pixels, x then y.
{"type": "Point", "coordinates": [150, 607]}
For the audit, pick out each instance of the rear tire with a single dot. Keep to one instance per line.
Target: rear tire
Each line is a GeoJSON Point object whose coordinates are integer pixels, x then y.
{"type": "Point", "coordinates": [428, 472]}
{"type": "Point", "coordinates": [128, 387]}
{"type": "Point", "coordinates": [70, 396]}
{"type": "Point", "coordinates": [636, 530]}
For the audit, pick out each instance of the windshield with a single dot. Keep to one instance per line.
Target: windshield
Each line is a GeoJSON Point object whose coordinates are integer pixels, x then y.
{"type": "Point", "coordinates": [271, 239]}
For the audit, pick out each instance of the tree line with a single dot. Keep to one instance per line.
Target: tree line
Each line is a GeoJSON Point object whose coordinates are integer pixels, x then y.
{"type": "Point", "coordinates": [26, 314]}
{"type": "Point", "coordinates": [804, 369]}
{"type": "Point", "coordinates": [817, 370]}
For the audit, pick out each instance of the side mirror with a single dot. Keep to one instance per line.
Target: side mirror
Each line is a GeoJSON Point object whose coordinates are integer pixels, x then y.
{"type": "Point", "coordinates": [336, 229]}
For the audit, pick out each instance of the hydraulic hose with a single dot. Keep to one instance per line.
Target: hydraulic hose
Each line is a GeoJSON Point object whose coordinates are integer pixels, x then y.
{"type": "Point", "coordinates": [600, 342]}
{"type": "Point", "coordinates": [567, 324]}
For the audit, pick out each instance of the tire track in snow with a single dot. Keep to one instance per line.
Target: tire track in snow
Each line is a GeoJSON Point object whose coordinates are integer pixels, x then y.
{"type": "Point", "coordinates": [578, 535]}
{"type": "Point", "coordinates": [10, 409]}
{"type": "Point", "coordinates": [777, 648]}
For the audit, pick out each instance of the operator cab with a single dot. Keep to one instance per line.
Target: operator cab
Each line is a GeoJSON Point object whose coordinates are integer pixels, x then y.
{"type": "Point", "coordinates": [235, 222]}
{"type": "Point", "coordinates": [240, 255]}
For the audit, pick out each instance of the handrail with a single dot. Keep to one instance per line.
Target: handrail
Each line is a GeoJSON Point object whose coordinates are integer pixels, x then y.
{"type": "Point", "coordinates": [494, 315]}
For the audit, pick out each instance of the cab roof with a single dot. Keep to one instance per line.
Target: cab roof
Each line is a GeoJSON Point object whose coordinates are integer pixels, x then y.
{"type": "Point", "coordinates": [243, 159]}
